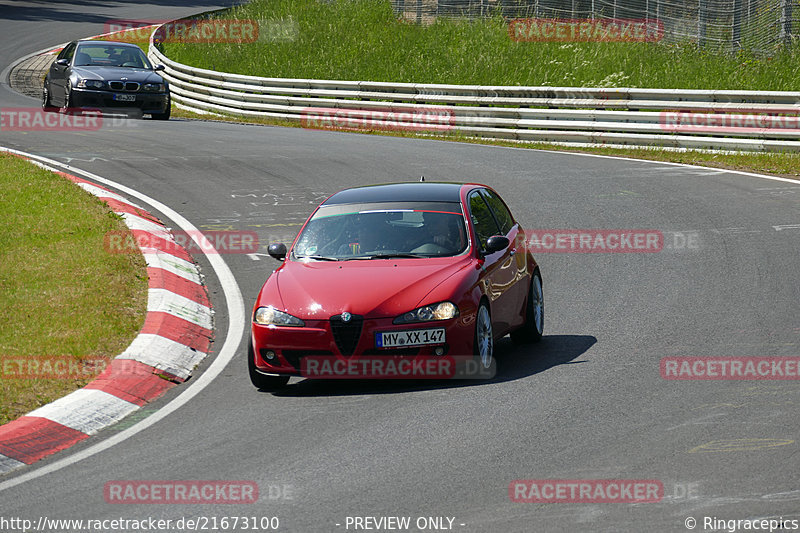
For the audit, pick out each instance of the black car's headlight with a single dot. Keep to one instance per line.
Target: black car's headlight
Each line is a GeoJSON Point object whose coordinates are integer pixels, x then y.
{"type": "Point", "coordinates": [154, 87]}
{"type": "Point", "coordinates": [91, 84]}
{"type": "Point", "coordinates": [269, 316]}
{"type": "Point", "coordinates": [428, 313]}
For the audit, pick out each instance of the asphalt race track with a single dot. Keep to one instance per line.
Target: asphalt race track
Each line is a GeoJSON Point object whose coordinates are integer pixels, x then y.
{"type": "Point", "coordinates": [587, 403]}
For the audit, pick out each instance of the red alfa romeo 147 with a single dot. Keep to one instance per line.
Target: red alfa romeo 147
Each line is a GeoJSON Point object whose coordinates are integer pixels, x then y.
{"type": "Point", "coordinates": [406, 270]}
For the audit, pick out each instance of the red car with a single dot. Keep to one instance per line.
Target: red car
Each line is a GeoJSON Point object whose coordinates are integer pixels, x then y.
{"type": "Point", "coordinates": [407, 269]}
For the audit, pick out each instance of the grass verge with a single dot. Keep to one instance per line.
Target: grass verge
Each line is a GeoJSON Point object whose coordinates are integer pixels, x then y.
{"type": "Point", "coordinates": [368, 33]}
{"type": "Point", "coordinates": [63, 296]}
{"type": "Point", "coordinates": [364, 40]}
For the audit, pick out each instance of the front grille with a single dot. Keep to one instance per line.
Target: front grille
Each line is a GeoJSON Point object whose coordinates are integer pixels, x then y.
{"type": "Point", "coordinates": [294, 356]}
{"type": "Point", "coordinates": [126, 86]}
{"type": "Point", "coordinates": [346, 334]}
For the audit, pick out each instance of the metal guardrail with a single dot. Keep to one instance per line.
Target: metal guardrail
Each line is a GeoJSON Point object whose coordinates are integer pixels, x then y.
{"type": "Point", "coordinates": [673, 118]}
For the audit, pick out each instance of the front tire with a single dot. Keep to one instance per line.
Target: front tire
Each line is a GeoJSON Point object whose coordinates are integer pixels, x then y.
{"type": "Point", "coordinates": [261, 381]}
{"type": "Point", "coordinates": [68, 101]}
{"type": "Point", "coordinates": [46, 105]}
{"type": "Point", "coordinates": [483, 347]}
{"type": "Point", "coordinates": [533, 328]}
{"type": "Point", "coordinates": [165, 115]}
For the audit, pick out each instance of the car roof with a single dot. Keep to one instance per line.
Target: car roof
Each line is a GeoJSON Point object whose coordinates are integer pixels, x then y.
{"type": "Point", "coordinates": [425, 191]}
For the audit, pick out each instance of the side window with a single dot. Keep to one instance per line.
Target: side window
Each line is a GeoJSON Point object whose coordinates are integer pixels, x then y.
{"type": "Point", "coordinates": [68, 51]}
{"type": "Point", "coordinates": [501, 212]}
{"type": "Point", "coordinates": [485, 225]}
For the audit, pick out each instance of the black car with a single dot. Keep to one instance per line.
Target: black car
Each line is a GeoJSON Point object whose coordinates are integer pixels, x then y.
{"type": "Point", "coordinates": [106, 75]}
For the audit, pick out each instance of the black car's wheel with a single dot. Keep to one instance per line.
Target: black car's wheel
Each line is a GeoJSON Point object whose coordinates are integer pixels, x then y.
{"type": "Point", "coordinates": [165, 114]}
{"type": "Point", "coordinates": [263, 382]}
{"type": "Point", "coordinates": [46, 105]}
{"type": "Point", "coordinates": [533, 328]}
{"type": "Point", "coordinates": [68, 101]}
{"type": "Point", "coordinates": [483, 347]}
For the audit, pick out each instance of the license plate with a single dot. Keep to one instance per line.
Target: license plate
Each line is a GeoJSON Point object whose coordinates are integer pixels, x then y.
{"type": "Point", "coordinates": [414, 337]}
{"type": "Point", "coordinates": [125, 97]}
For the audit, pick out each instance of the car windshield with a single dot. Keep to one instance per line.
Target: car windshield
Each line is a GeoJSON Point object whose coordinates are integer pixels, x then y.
{"type": "Point", "coordinates": [109, 55]}
{"type": "Point", "coordinates": [383, 230]}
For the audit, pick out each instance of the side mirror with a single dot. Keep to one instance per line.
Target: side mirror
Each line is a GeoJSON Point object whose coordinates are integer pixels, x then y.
{"type": "Point", "coordinates": [63, 62]}
{"type": "Point", "coordinates": [158, 68]}
{"type": "Point", "coordinates": [495, 243]}
{"type": "Point", "coordinates": [277, 250]}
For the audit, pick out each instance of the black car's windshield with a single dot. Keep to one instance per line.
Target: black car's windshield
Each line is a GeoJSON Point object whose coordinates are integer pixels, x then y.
{"type": "Point", "coordinates": [383, 231]}
{"type": "Point", "coordinates": [109, 55]}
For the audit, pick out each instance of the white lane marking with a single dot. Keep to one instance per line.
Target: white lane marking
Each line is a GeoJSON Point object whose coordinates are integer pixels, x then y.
{"type": "Point", "coordinates": [233, 335]}
{"type": "Point", "coordinates": [165, 301]}
{"type": "Point", "coordinates": [794, 181]}
{"type": "Point", "coordinates": [86, 410]}
{"type": "Point", "coordinates": [149, 349]}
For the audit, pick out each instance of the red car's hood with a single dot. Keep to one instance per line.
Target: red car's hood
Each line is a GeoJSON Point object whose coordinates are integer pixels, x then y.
{"type": "Point", "coordinates": [373, 288]}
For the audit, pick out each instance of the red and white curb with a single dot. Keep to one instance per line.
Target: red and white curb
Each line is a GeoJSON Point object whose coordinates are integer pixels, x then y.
{"type": "Point", "coordinates": [176, 336]}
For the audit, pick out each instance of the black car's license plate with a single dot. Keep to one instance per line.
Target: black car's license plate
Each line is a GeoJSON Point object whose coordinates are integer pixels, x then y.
{"type": "Point", "coordinates": [125, 97]}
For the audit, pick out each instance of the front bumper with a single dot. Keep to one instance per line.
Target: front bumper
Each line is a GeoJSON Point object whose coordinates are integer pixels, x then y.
{"type": "Point", "coordinates": [317, 340]}
{"type": "Point", "coordinates": [145, 102]}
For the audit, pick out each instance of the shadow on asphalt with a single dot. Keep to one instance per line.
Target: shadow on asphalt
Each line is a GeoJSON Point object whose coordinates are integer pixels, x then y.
{"type": "Point", "coordinates": [513, 362]}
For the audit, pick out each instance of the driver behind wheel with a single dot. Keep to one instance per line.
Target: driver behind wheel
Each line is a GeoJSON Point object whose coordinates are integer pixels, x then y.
{"type": "Point", "coordinates": [368, 237]}
{"type": "Point", "coordinates": [444, 231]}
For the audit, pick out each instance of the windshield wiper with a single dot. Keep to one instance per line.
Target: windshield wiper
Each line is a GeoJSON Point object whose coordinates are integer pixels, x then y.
{"type": "Point", "coordinates": [317, 257]}
{"type": "Point", "coordinates": [394, 256]}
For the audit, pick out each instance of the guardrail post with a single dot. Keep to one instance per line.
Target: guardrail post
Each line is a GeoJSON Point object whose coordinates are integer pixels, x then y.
{"type": "Point", "coordinates": [702, 15]}
{"type": "Point", "coordinates": [786, 22]}
{"type": "Point", "coordinates": [736, 30]}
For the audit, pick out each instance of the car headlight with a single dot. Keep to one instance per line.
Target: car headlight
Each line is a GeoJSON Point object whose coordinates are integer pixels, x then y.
{"type": "Point", "coordinates": [428, 313]}
{"type": "Point", "coordinates": [91, 84]}
{"type": "Point", "coordinates": [154, 87]}
{"type": "Point", "coordinates": [269, 316]}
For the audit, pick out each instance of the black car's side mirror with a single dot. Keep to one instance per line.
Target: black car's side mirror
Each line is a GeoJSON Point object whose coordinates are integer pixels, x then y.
{"type": "Point", "coordinates": [158, 68]}
{"type": "Point", "coordinates": [277, 250]}
{"type": "Point", "coordinates": [495, 243]}
{"type": "Point", "coordinates": [63, 62]}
